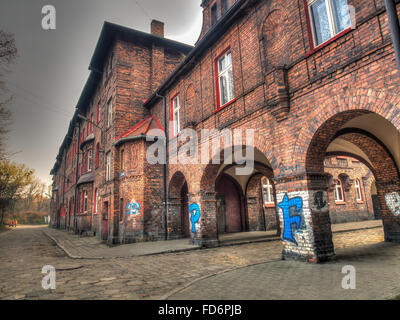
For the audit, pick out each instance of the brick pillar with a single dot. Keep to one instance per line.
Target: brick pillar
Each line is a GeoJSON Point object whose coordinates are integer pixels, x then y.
{"type": "Point", "coordinates": [389, 199]}
{"type": "Point", "coordinates": [174, 218]}
{"type": "Point", "coordinates": [302, 204]}
{"type": "Point", "coordinates": [205, 227]}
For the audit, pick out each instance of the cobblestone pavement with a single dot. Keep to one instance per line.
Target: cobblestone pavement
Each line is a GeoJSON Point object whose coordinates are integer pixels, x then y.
{"type": "Point", "coordinates": [23, 253]}
{"type": "Point", "coordinates": [377, 266]}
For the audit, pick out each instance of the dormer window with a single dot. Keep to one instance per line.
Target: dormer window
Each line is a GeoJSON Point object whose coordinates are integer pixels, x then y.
{"type": "Point", "coordinates": [224, 6]}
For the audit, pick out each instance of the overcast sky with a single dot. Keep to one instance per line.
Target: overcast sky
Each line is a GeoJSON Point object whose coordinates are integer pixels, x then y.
{"type": "Point", "coordinates": [52, 67]}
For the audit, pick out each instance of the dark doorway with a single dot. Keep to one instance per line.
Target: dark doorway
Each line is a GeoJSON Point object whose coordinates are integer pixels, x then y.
{"type": "Point", "coordinates": [104, 234]}
{"type": "Point", "coordinates": [229, 200]}
{"type": "Point", "coordinates": [185, 211]}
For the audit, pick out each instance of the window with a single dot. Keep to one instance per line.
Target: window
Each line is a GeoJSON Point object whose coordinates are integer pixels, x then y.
{"type": "Point", "coordinates": [357, 185]}
{"type": "Point", "coordinates": [122, 160]}
{"type": "Point", "coordinates": [85, 202]}
{"type": "Point", "coordinates": [108, 167]}
{"type": "Point", "coordinates": [98, 112]}
{"type": "Point", "coordinates": [329, 18]}
{"type": "Point", "coordinates": [96, 201]}
{"type": "Point", "coordinates": [109, 112]}
{"type": "Point", "coordinates": [342, 162]}
{"type": "Point", "coordinates": [90, 156]}
{"type": "Point", "coordinates": [175, 115]}
{"type": "Point", "coordinates": [338, 191]}
{"type": "Point", "coordinates": [268, 191]}
{"type": "Point", "coordinates": [224, 6]}
{"type": "Point", "coordinates": [225, 79]}
{"type": "Point", "coordinates": [214, 14]}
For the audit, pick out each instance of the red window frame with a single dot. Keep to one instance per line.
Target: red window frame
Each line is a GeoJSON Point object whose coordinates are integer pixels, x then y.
{"type": "Point", "coordinates": [216, 77]}
{"type": "Point", "coordinates": [98, 112]}
{"type": "Point", "coordinates": [314, 48]}
{"type": "Point", "coordinates": [95, 201]}
{"type": "Point", "coordinates": [97, 155]}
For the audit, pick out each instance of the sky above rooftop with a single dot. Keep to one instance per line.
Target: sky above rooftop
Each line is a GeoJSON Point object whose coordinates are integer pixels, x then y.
{"type": "Point", "coordinates": [52, 68]}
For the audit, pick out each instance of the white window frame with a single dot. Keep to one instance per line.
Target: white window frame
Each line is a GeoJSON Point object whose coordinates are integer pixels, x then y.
{"type": "Point", "coordinates": [108, 166]}
{"type": "Point", "coordinates": [176, 114]}
{"type": "Point", "coordinates": [267, 187]}
{"type": "Point", "coordinates": [339, 187]}
{"type": "Point", "coordinates": [90, 157]}
{"type": "Point", "coordinates": [357, 185]}
{"type": "Point", "coordinates": [227, 72]}
{"type": "Point", "coordinates": [96, 200]}
{"type": "Point", "coordinates": [109, 113]}
{"type": "Point", "coordinates": [331, 21]}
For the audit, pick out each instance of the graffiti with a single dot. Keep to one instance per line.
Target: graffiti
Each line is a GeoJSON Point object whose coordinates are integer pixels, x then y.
{"type": "Point", "coordinates": [194, 210]}
{"type": "Point", "coordinates": [284, 169]}
{"type": "Point", "coordinates": [393, 202]}
{"type": "Point", "coordinates": [319, 201]}
{"type": "Point", "coordinates": [133, 208]}
{"type": "Point", "coordinates": [292, 223]}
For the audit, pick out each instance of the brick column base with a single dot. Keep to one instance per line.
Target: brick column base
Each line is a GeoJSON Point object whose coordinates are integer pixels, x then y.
{"type": "Point", "coordinates": [203, 229]}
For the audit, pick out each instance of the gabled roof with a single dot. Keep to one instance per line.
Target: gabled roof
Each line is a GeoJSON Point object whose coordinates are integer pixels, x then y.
{"type": "Point", "coordinates": [141, 129]}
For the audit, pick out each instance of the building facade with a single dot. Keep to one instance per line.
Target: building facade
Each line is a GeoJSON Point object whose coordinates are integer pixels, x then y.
{"type": "Point", "coordinates": [285, 86]}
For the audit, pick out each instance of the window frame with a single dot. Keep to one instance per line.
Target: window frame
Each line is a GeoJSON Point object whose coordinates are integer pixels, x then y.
{"type": "Point", "coordinates": [176, 126]}
{"type": "Point", "coordinates": [95, 207]}
{"type": "Point", "coordinates": [89, 160]}
{"type": "Point", "coordinates": [357, 186]}
{"type": "Point", "coordinates": [98, 113]}
{"type": "Point", "coordinates": [332, 26]}
{"type": "Point", "coordinates": [270, 192]}
{"type": "Point", "coordinates": [85, 201]}
{"type": "Point", "coordinates": [214, 19]}
{"type": "Point", "coordinates": [109, 113]}
{"type": "Point", "coordinates": [217, 79]}
{"type": "Point", "coordinates": [97, 155]}
{"type": "Point", "coordinates": [108, 166]}
{"type": "Point", "coordinates": [342, 192]}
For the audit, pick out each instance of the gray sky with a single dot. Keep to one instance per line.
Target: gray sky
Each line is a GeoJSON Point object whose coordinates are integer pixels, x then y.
{"type": "Point", "coordinates": [52, 67]}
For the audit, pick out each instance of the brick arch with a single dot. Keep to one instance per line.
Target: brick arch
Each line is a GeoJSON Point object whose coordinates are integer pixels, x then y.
{"type": "Point", "coordinates": [277, 44]}
{"type": "Point", "coordinates": [176, 183]}
{"type": "Point", "coordinates": [209, 174]}
{"type": "Point", "coordinates": [342, 108]}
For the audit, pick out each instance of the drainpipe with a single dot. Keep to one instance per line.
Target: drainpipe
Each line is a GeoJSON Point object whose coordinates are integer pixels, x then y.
{"type": "Point", "coordinates": [165, 165]}
{"type": "Point", "coordinates": [77, 175]}
{"type": "Point", "coordinates": [394, 27]}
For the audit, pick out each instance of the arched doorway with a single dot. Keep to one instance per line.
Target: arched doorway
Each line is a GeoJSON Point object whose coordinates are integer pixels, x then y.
{"type": "Point", "coordinates": [178, 207]}
{"type": "Point", "coordinates": [376, 141]}
{"type": "Point", "coordinates": [230, 210]}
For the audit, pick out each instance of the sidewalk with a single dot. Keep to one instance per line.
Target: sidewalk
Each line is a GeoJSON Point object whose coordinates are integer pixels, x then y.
{"type": "Point", "coordinates": [91, 248]}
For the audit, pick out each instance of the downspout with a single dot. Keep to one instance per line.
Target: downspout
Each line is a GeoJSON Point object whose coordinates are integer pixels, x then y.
{"type": "Point", "coordinates": [76, 174]}
{"type": "Point", "coordinates": [394, 28]}
{"type": "Point", "coordinates": [165, 165]}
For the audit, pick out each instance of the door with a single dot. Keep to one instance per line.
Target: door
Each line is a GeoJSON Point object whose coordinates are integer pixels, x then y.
{"type": "Point", "coordinates": [230, 197]}
{"type": "Point", "coordinates": [104, 234]}
{"type": "Point", "coordinates": [185, 212]}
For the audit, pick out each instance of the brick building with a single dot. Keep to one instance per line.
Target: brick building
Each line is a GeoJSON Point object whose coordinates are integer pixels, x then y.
{"type": "Point", "coordinates": [313, 79]}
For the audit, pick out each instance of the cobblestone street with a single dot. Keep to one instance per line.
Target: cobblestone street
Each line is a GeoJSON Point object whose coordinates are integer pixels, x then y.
{"type": "Point", "coordinates": [24, 251]}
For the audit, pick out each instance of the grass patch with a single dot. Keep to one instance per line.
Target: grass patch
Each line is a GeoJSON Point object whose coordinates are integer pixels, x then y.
{"type": "Point", "coordinates": [396, 297]}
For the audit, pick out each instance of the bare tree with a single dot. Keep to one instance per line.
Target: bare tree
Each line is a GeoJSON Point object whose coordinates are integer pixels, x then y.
{"type": "Point", "coordinates": [8, 54]}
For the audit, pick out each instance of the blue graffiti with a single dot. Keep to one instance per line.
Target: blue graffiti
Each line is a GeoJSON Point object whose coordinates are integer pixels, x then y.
{"type": "Point", "coordinates": [194, 210]}
{"type": "Point", "coordinates": [292, 223]}
{"type": "Point", "coordinates": [133, 208]}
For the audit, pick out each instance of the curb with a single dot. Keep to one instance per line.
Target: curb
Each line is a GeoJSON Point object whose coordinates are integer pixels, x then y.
{"type": "Point", "coordinates": [66, 251]}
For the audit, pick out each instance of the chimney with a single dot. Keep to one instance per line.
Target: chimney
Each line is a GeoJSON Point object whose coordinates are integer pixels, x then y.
{"type": "Point", "coordinates": [157, 28]}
